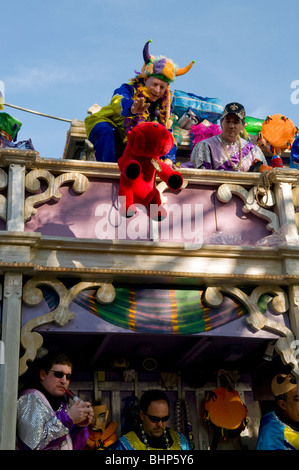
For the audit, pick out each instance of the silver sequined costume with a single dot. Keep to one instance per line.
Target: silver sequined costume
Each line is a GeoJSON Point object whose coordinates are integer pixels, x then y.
{"type": "Point", "coordinates": [40, 427]}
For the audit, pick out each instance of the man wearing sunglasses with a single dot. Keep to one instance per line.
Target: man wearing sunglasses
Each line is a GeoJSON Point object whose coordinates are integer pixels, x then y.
{"type": "Point", "coordinates": [44, 419]}
{"type": "Point", "coordinates": [279, 430]}
{"type": "Point", "coordinates": [153, 432]}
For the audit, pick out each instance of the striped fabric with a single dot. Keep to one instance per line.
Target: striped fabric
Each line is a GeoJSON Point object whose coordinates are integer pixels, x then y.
{"type": "Point", "coordinates": [154, 310]}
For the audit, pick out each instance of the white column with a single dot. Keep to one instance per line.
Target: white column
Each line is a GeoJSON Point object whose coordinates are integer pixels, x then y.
{"type": "Point", "coordinates": [294, 319]}
{"type": "Point", "coordinates": [11, 327]}
{"type": "Point", "coordinates": [15, 197]}
{"type": "Point", "coordinates": [294, 309]}
{"type": "Point", "coordinates": [286, 211]}
{"type": "Point", "coordinates": [12, 302]}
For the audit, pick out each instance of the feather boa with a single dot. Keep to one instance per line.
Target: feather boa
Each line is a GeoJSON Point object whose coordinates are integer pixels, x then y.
{"type": "Point", "coordinates": [200, 132]}
{"type": "Point", "coordinates": [162, 111]}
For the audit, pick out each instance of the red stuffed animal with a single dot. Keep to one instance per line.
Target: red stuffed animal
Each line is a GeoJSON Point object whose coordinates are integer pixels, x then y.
{"type": "Point", "coordinates": [139, 165]}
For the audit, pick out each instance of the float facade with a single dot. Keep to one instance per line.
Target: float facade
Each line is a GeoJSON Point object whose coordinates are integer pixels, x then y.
{"type": "Point", "coordinates": [138, 303]}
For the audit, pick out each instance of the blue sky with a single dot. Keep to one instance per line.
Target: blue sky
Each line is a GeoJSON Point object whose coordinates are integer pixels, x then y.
{"type": "Point", "coordinates": [60, 57]}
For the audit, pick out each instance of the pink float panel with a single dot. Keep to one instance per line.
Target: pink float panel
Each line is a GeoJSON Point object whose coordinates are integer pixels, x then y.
{"type": "Point", "coordinates": [194, 215]}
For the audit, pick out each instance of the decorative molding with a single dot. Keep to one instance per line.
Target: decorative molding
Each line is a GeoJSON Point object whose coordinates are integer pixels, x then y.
{"type": "Point", "coordinates": [32, 185]}
{"type": "Point", "coordinates": [213, 297]}
{"type": "Point", "coordinates": [3, 200]}
{"type": "Point", "coordinates": [32, 296]}
{"type": "Point", "coordinates": [295, 195]}
{"type": "Point", "coordinates": [226, 190]}
{"type": "Point", "coordinates": [14, 156]}
{"type": "Point", "coordinates": [162, 186]}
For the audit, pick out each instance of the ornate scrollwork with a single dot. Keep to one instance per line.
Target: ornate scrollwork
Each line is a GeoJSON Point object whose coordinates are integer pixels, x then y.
{"type": "Point", "coordinates": [213, 297]}
{"type": "Point", "coordinates": [225, 192]}
{"type": "Point", "coordinates": [295, 195]}
{"type": "Point", "coordinates": [32, 184]}
{"type": "Point", "coordinates": [162, 186]}
{"type": "Point", "coordinates": [32, 296]}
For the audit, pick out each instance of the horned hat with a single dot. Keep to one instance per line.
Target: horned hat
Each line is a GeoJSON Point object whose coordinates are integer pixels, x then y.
{"type": "Point", "coordinates": [161, 67]}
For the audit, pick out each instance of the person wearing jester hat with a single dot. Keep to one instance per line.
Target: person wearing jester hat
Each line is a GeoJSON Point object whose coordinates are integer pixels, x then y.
{"type": "Point", "coordinates": [144, 98]}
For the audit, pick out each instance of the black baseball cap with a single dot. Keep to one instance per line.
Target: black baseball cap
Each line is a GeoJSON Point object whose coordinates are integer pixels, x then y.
{"type": "Point", "coordinates": [234, 108]}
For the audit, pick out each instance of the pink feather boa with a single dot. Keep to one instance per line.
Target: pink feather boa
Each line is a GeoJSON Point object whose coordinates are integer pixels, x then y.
{"type": "Point", "coordinates": [200, 132]}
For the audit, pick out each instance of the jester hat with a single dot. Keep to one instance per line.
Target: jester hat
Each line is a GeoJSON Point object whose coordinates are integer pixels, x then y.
{"type": "Point", "coordinates": [161, 67]}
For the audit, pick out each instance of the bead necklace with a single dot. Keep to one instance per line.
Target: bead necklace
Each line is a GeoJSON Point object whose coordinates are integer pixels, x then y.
{"type": "Point", "coordinates": [145, 441]}
{"type": "Point", "coordinates": [238, 166]}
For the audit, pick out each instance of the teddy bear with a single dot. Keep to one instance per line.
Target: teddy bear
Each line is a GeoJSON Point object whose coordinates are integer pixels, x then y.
{"type": "Point", "coordinates": [139, 165]}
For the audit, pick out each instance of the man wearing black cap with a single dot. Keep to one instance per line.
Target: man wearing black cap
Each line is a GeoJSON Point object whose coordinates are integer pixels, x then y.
{"type": "Point", "coordinates": [227, 151]}
{"type": "Point", "coordinates": [279, 430]}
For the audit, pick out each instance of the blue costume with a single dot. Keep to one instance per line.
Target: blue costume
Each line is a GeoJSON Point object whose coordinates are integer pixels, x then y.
{"type": "Point", "coordinates": [294, 159]}
{"type": "Point", "coordinates": [274, 434]}
{"type": "Point", "coordinates": [107, 129]}
{"type": "Point", "coordinates": [131, 441]}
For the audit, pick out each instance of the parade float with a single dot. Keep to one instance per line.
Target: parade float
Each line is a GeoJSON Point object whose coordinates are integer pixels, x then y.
{"type": "Point", "coordinates": [203, 299]}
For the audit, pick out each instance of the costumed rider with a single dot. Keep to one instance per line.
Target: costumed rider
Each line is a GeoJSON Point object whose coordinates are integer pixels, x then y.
{"type": "Point", "coordinates": [279, 430]}
{"type": "Point", "coordinates": [153, 432]}
{"type": "Point", "coordinates": [44, 419]}
{"type": "Point", "coordinates": [227, 151]}
{"type": "Point", "coordinates": [294, 159]}
{"type": "Point", "coordinates": [146, 97]}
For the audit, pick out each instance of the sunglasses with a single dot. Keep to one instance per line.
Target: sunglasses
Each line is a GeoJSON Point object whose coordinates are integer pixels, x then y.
{"type": "Point", "coordinates": [59, 374]}
{"type": "Point", "coordinates": [157, 419]}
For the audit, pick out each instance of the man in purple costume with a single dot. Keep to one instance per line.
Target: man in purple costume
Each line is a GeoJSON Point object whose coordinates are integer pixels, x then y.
{"type": "Point", "coordinates": [227, 151]}
{"type": "Point", "coordinates": [44, 420]}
